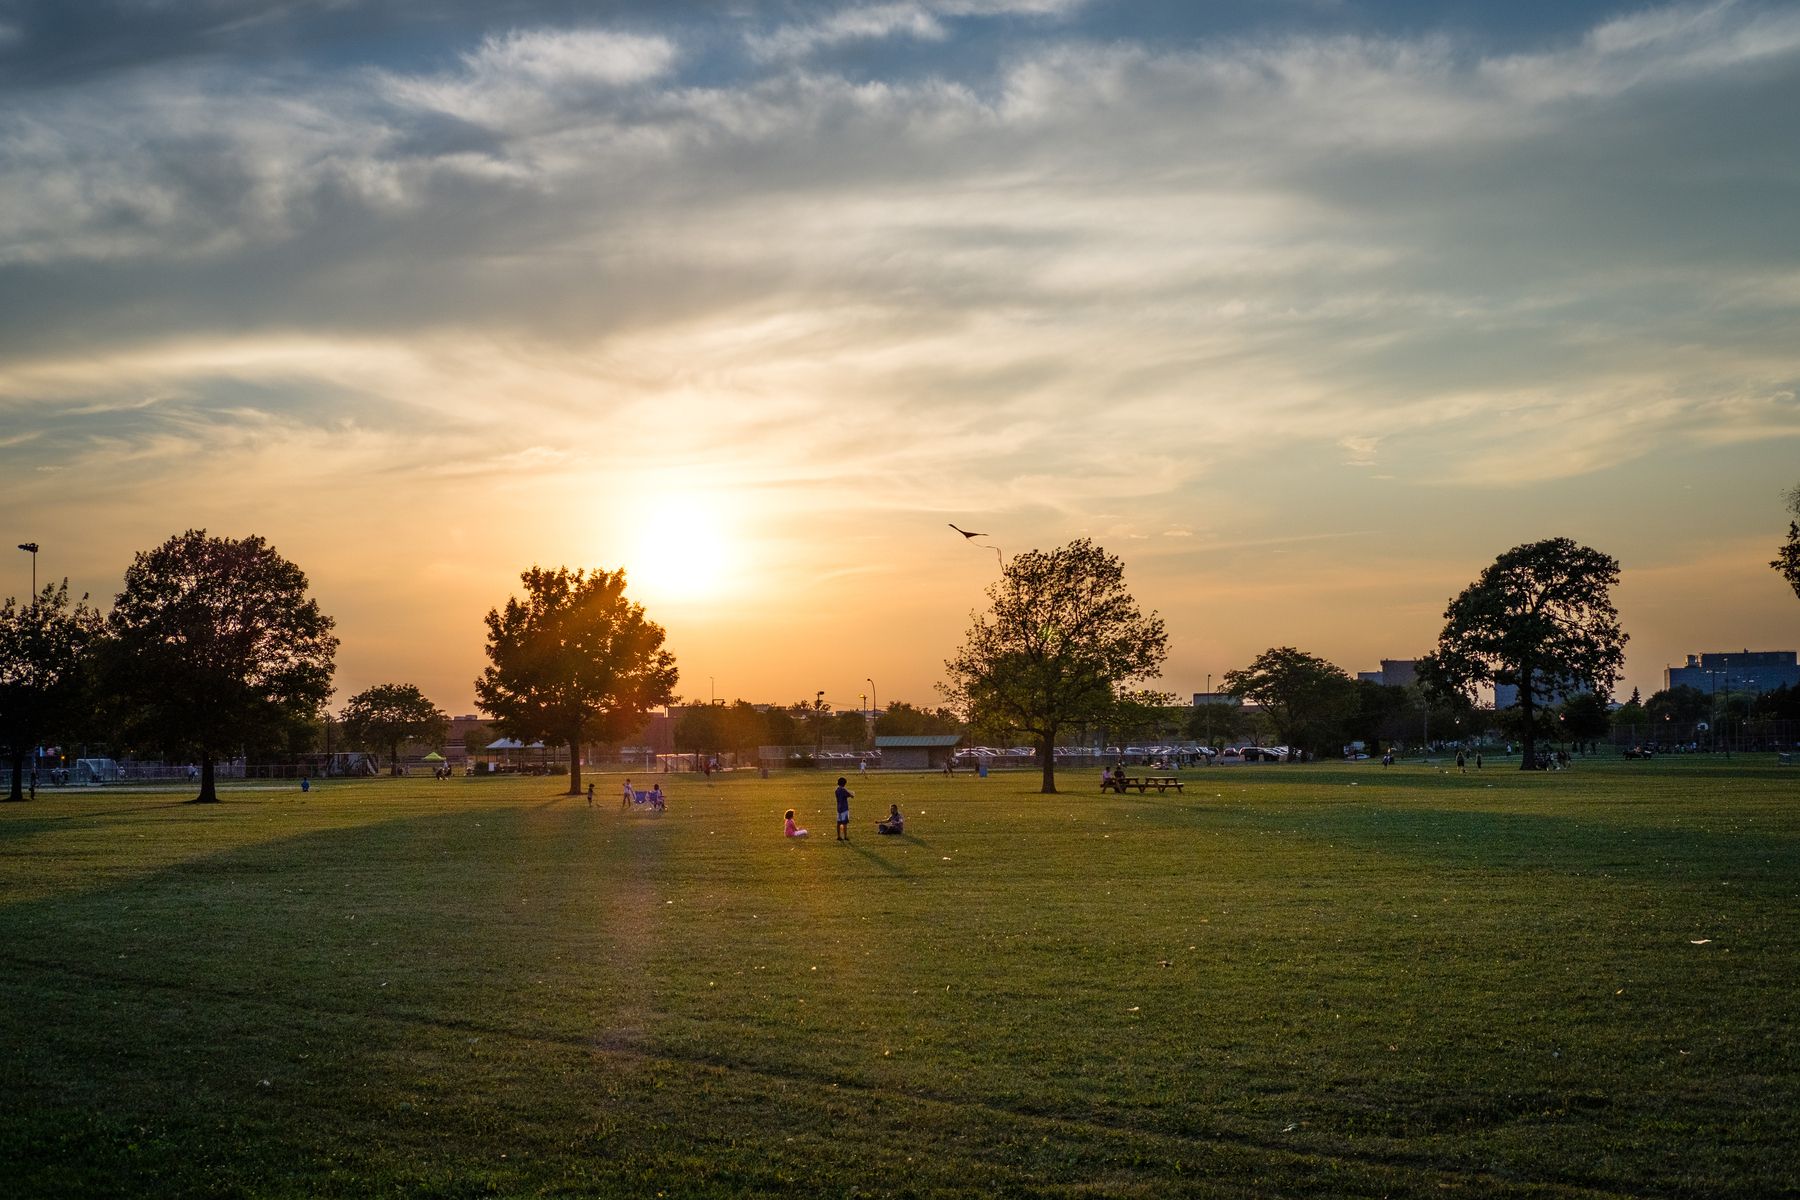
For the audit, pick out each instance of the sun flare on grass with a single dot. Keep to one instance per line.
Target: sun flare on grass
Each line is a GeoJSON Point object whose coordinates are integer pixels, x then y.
{"type": "Point", "coordinates": [680, 549]}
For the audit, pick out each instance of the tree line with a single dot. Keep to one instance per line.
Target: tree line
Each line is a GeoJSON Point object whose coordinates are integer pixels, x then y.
{"type": "Point", "coordinates": [1063, 647]}
{"type": "Point", "coordinates": [213, 648]}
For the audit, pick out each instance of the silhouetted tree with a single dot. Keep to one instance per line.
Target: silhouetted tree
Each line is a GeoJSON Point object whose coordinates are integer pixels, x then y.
{"type": "Point", "coordinates": [215, 646]}
{"type": "Point", "coordinates": [1540, 618]}
{"type": "Point", "coordinates": [388, 714]}
{"type": "Point", "coordinates": [1217, 723]}
{"type": "Point", "coordinates": [44, 647]}
{"type": "Point", "coordinates": [1583, 718]}
{"type": "Point", "coordinates": [1306, 699]}
{"type": "Point", "coordinates": [904, 720]}
{"type": "Point", "coordinates": [1142, 713]}
{"type": "Point", "coordinates": [1060, 639]}
{"type": "Point", "coordinates": [574, 661]}
{"type": "Point", "coordinates": [1787, 559]}
{"type": "Point", "coordinates": [1682, 704]}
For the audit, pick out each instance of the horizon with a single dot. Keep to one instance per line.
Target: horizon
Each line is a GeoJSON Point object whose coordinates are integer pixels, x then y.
{"type": "Point", "coordinates": [1305, 312]}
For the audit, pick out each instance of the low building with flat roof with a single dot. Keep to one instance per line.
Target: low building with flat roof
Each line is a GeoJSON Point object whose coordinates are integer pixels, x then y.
{"type": "Point", "coordinates": [917, 751]}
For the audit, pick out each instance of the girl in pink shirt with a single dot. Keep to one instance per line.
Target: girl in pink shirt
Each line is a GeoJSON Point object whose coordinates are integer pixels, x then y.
{"type": "Point", "coordinates": [792, 830]}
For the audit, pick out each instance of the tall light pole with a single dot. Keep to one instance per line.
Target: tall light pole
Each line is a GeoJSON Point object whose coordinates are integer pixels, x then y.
{"type": "Point", "coordinates": [874, 700]}
{"type": "Point", "coordinates": [31, 548]}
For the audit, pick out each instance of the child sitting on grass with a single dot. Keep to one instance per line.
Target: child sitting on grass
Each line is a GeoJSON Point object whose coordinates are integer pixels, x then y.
{"type": "Point", "coordinates": [792, 830]}
{"type": "Point", "coordinates": [895, 823]}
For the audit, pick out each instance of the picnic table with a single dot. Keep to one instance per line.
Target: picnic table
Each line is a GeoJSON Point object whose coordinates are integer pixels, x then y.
{"type": "Point", "coordinates": [1142, 783]}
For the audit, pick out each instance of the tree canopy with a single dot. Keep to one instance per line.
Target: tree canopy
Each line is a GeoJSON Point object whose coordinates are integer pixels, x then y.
{"type": "Point", "coordinates": [216, 647]}
{"type": "Point", "coordinates": [1583, 719]}
{"type": "Point", "coordinates": [1540, 618]}
{"type": "Point", "coordinates": [1787, 559]}
{"type": "Point", "coordinates": [901, 719]}
{"type": "Point", "coordinates": [43, 648]}
{"type": "Point", "coordinates": [573, 661]}
{"type": "Point", "coordinates": [1684, 704]}
{"type": "Point", "coordinates": [389, 714]}
{"type": "Point", "coordinates": [1062, 637]}
{"type": "Point", "coordinates": [1306, 699]}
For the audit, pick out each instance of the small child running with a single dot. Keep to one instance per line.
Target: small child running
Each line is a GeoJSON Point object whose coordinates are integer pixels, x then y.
{"type": "Point", "coordinates": [843, 799]}
{"type": "Point", "coordinates": [791, 829]}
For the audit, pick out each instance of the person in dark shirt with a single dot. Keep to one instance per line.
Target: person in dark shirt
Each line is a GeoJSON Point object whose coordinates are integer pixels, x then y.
{"type": "Point", "coordinates": [843, 802]}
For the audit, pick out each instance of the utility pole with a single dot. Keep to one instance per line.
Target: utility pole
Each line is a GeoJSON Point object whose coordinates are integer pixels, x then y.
{"type": "Point", "coordinates": [31, 548]}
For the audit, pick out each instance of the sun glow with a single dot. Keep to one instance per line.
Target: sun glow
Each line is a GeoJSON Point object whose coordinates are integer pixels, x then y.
{"type": "Point", "coordinates": [680, 550]}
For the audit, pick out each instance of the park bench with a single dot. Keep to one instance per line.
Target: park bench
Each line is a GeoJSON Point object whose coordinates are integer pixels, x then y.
{"type": "Point", "coordinates": [1142, 783]}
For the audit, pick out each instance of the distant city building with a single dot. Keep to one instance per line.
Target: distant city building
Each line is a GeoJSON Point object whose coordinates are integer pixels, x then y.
{"type": "Point", "coordinates": [1506, 695]}
{"type": "Point", "coordinates": [1215, 698]}
{"type": "Point", "coordinates": [1395, 672]}
{"type": "Point", "coordinates": [1740, 671]}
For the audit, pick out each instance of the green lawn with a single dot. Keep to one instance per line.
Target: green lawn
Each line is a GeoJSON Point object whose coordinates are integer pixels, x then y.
{"type": "Point", "coordinates": [1320, 981]}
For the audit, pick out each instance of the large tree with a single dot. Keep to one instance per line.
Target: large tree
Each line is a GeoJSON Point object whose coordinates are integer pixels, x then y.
{"type": "Point", "coordinates": [1787, 559]}
{"type": "Point", "coordinates": [216, 646]}
{"type": "Point", "coordinates": [1306, 699]}
{"type": "Point", "coordinates": [43, 648]}
{"type": "Point", "coordinates": [1061, 638]}
{"type": "Point", "coordinates": [1540, 618]}
{"type": "Point", "coordinates": [574, 662]}
{"type": "Point", "coordinates": [388, 714]}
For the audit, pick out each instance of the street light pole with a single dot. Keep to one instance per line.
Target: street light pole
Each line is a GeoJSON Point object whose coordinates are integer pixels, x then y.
{"type": "Point", "coordinates": [31, 548]}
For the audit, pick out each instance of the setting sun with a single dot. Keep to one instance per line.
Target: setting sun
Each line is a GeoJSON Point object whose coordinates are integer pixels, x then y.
{"type": "Point", "coordinates": [679, 549]}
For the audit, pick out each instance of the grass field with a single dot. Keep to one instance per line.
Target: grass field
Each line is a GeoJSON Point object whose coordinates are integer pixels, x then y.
{"type": "Point", "coordinates": [1332, 981]}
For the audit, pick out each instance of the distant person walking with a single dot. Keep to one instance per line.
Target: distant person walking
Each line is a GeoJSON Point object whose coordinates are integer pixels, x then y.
{"type": "Point", "coordinates": [1462, 764]}
{"type": "Point", "coordinates": [843, 807]}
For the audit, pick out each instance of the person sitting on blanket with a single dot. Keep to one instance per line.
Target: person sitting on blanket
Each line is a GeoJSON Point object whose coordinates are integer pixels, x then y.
{"type": "Point", "coordinates": [895, 823]}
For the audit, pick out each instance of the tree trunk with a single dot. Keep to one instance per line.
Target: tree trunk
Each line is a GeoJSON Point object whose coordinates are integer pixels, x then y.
{"type": "Point", "coordinates": [1047, 756]}
{"type": "Point", "coordinates": [1529, 739]}
{"type": "Point", "coordinates": [393, 758]}
{"type": "Point", "coordinates": [575, 764]}
{"type": "Point", "coordinates": [208, 795]}
{"type": "Point", "coordinates": [17, 793]}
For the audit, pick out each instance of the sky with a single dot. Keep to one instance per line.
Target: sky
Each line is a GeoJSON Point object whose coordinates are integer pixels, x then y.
{"type": "Point", "coordinates": [1305, 310]}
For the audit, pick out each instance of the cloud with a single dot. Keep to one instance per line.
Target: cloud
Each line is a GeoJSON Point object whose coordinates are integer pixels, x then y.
{"type": "Point", "coordinates": [921, 20]}
{"type": "Point", "coordinates": [1362, 243]}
